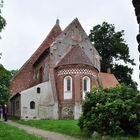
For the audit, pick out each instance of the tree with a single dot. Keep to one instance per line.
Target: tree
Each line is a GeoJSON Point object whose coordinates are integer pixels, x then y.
{"type": "Point", "coordinates": [113, 111]}
{"type": "Point", "coordinates": [113, 49]}
{"type": "Point", "coordinates": [2, 20]}
{"type": "Point", "coordinates": [5, 77]}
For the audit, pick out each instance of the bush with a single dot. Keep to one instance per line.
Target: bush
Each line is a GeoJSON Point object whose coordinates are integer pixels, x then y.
{"type": "Point", "coordinates": [112, 111]}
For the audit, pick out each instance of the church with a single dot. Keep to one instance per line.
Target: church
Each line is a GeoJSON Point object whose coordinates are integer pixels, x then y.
{"type": "Point", "coordinates": [53, 82]}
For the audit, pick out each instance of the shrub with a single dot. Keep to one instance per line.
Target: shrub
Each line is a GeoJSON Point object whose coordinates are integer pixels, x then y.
{"type": "Point", "coordinates": [111, 111]}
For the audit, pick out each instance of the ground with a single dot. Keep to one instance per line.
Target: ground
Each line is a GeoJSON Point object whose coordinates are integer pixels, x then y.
{"type": "Point", "coordinates": [68, 127]}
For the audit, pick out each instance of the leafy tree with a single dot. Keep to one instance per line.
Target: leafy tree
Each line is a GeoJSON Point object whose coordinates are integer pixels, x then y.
{"type": "Point", "coordinates": [5, 77]}
{"type": "Point", "coordinates": [2, 20]}
{"type": "Point", "coordinates": [113, 49]}
{"type": "Point", "coordinates": [112, 111]}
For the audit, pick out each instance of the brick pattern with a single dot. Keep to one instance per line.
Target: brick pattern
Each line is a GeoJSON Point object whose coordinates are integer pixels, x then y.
{"type": "Point", "coordinates": [61, 54]}
{"type": "Point", "coordinates": [75, 56]}
{"type": "Point", "coordinates": [77, 72]}
{"type": "Point", "coordinates": [25, 77]}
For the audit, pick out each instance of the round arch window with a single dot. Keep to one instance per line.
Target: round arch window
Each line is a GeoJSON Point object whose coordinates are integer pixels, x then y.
{"type": "Point", "coordinates": [85, 85]}
{"type": "Point", "coordinates": [32, 105]}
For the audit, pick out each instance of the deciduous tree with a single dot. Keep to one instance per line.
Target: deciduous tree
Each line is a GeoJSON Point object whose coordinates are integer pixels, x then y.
{"type": "Point", "coordinates": [113, 111]}
{"type": "Point", "coordinates": [5, 76]}
{"type": "Point", "coordinates": [113, 50]}
{"type": "Point", "coordinates": [2, 20]}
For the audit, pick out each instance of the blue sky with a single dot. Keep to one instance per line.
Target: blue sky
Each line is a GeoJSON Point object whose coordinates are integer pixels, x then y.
{"type": "Point", "coordinates": [29, 22]}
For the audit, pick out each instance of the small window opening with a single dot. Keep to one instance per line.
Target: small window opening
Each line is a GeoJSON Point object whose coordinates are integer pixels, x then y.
{"type": "Point", "coordinates": [32, 105]}
{"type": "Point", "coordinates": [38, 90]}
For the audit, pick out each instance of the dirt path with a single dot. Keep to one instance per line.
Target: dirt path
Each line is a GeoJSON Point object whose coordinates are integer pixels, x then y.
{"type": "Point", "coordinates": [40, 132]}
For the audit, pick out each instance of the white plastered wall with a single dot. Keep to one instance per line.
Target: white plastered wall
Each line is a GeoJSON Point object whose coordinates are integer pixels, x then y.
{"type": "Point", "coordinates": [45, 107]}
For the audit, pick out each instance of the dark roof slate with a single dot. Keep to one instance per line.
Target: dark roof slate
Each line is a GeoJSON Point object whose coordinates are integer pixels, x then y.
{"type": "Point", "coordinates": [75, 56]}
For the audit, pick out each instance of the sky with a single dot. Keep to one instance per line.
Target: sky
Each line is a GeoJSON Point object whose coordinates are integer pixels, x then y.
{"type": "Point", "coordinates": [29, 22]}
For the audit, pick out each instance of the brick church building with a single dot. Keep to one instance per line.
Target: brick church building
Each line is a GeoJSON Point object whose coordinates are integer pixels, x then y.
{"type": "Point", "coordinates": [54, 80]}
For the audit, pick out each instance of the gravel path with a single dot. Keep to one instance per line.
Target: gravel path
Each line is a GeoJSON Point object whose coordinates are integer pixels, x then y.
{"type": "Point", "coordinates": [40, 132]}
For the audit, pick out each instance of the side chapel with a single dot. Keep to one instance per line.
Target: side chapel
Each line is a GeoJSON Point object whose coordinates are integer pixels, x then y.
{"type": "Point", "coordinates": [53, 82]}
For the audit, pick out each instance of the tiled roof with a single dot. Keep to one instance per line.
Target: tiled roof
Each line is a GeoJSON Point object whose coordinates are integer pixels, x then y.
{"type": "Point", "coordinates": [75, 56]}
{"type": "Point", "coordinates": [107, 80]}
{"type": "Point", "coordinates": [55, 31]}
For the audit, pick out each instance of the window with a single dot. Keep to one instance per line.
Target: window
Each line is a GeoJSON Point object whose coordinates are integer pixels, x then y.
{"type": "Point", "coordinates": [17, 105]}
{"type": "Point", "coordinates": [67, 87]}
{"type": "Point", "coordinates": [32, 105]}
{"type": "Point", "coordinates": [86, 85]}
{"type": "Point", "coordinates": [38, 89]}
{"type": "Point", "coordinates": [68, 84]}
{"type": "Point", "coordinates": [40, 75]}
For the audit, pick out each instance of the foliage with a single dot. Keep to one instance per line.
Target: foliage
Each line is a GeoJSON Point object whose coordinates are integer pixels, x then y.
{"type": "Point", "coordinates": [5, 77]}
{"type": "Point", "coordinates": [2, 20]}
{"type": "Point", "coordinates": [113, 48]}
{"type": "Point", "coordinates": [11, 133]}
{"type": "Point", "coordinates": [112, 111]}
{"type": "Point", "coordinates": [123, 74]}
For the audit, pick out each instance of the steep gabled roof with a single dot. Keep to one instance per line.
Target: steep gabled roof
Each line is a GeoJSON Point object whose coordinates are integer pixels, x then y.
{"type": "Point", "coordinates": [75, 56]}
{"type": "Point", "coordinates": [76, 22]}
{"type": "Point", "coordinates": [107, 80]}
{"type": "Point", "coordinates": [74, 34]}
{"type": "Point", "coordinates": [55, 31]}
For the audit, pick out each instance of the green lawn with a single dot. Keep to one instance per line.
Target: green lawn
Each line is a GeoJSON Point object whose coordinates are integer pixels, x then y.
{"type": "Point", "coordinates": [11, 133]}
{"type": "Point", "coordinates": [68, 127]}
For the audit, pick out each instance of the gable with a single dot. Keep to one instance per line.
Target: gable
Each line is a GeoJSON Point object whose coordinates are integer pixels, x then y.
{"type": "Point", "coordinates": [75, 56]}
{"type": "Point", "coordinates": [24, 78]}
{"type": "Point", "coordinates": [73, 35]}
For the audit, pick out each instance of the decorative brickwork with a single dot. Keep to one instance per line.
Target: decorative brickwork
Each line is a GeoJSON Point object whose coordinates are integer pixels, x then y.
{"type": "Point", "coordinates": [25, 78]}
{"type": "Point", "coordinates": [76, 71]}
{"type": "Point", "coordinates": [65, 67]}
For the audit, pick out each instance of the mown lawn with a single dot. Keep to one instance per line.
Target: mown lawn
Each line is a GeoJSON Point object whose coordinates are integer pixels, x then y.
{"type": "Point", "coordinates": [11, 133]}
{"type": "Point", "coordinates": [68, 127]}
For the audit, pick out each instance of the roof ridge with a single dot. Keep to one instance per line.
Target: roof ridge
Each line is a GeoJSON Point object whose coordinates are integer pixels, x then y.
{"type": "Point", "coordinates": [56, 26]}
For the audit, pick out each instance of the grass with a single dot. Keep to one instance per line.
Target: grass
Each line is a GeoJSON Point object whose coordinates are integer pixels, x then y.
{"type": "Point", "coordinates": [68, 127]}
{"type": "Point", "coordinates": [11, 133]}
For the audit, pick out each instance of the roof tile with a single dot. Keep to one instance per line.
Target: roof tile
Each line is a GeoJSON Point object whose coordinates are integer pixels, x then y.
{"type": "Point", "coordinates": [107, 80]}
{"type": "Point", "coordinates": [75, 56]}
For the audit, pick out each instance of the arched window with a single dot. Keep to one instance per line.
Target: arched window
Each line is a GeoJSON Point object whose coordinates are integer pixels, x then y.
{"type": "Point", "coordinates": [67, 87]}
{"type": "Point", "coordinates": [32, 105]}
{"type": "Point", "coordinates": [85, 85]}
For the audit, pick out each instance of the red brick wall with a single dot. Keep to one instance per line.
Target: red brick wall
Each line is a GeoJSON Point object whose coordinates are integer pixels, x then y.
{"type": "Point", "coordinates": [25, 77]}
{"type": "Point", "coordinates": [76, 83]}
